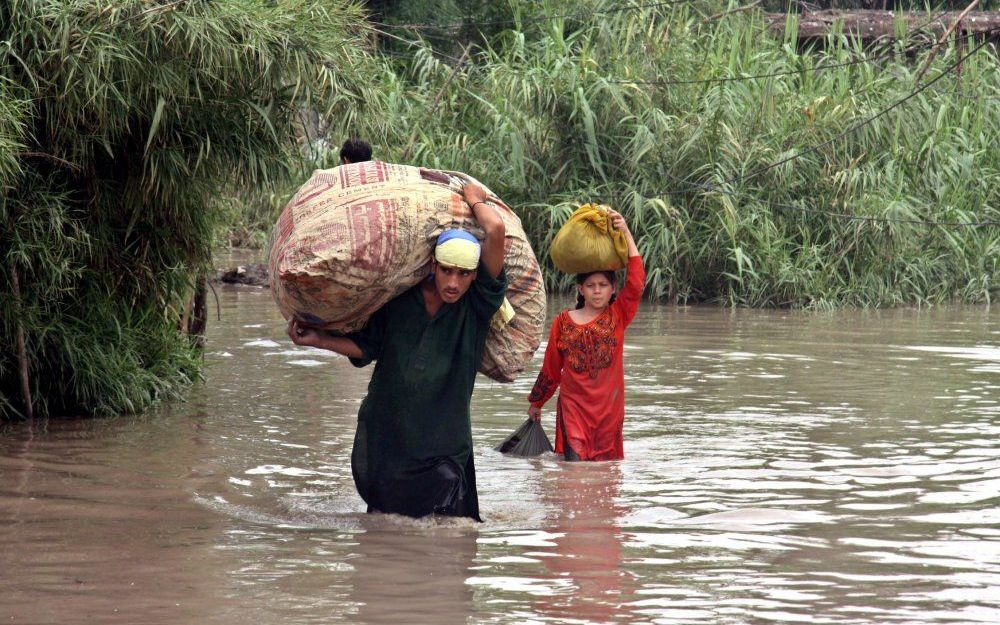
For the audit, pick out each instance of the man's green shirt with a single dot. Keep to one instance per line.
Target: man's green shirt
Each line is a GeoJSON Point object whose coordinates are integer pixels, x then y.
{"type": "Point", "coordinates": [414, 425]}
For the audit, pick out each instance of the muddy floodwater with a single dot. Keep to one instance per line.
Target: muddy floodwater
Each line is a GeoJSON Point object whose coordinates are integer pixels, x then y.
{"type": "Point", "coordinates": [780, 466]}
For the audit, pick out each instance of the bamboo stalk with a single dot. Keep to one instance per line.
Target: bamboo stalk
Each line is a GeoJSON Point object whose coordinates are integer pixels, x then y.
{"type": "Point", "coordinates": [22, 353]}
{"type": "Point", "coordinates": [437, 99]}
{"type": "Point", "coordinates": [944, 37]}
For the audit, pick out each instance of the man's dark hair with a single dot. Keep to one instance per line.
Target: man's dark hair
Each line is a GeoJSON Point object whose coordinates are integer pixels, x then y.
{"type": "Point", "coordinates": [355, 150]}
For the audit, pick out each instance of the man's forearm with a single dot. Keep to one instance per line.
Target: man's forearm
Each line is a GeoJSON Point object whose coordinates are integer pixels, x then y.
{"type": "Point", "coordinates": [340, 344]}
{"type": "Point", "coordinates": [495, 233]}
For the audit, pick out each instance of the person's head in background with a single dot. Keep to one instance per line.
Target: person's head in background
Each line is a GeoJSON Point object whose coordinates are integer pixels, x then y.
{"type": "Point", "coordinates": [355, 150]}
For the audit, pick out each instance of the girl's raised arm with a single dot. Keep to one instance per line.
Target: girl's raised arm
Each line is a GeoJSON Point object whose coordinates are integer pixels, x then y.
{"type": "Point", "coordinates": [635, 278]}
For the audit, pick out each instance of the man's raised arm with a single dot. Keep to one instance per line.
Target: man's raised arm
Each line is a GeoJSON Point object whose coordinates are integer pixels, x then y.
{"type": "Point", "coordinates": [489, 220]}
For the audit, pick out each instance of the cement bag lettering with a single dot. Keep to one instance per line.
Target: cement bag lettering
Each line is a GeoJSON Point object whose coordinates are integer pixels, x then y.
{"type": "Point", "coordinates": [353, 237]}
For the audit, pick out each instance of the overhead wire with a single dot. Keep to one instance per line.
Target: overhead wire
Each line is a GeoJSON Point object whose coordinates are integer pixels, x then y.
{"type": "Point", "coordinates": [811, 149]}
{"type": "Point", "coordinates": [853, 128]}
{"type": "Point", "coordinates": [723, 79]}
{"type": "Point", "coordinates": [848, 216]}
{"type": "Point", "coordinates": [861, 61]}
{"type": "Point", "coordinates": [869, 119]}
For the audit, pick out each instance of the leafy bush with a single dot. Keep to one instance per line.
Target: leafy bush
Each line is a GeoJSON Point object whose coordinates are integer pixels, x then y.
{"type": "Point", "coordinates": [122, 123]}
{"type": "Point", "coordinates": [615, 108]}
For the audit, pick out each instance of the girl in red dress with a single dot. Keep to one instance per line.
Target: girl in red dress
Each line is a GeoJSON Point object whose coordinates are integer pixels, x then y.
{"type": "Point", "coordinates": [584, 356]}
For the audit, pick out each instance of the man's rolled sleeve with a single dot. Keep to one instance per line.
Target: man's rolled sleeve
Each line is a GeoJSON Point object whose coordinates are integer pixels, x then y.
{"type": "Point", "coordinates": [487, 292]}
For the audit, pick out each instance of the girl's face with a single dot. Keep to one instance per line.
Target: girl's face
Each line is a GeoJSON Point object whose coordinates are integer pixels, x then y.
{"type": "Point", "coordinates": [596, 291]}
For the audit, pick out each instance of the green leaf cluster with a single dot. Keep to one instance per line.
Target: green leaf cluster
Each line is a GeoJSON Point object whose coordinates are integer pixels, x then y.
{"type": "Point", "coordinates": [123, 123]}
{"type": "Point", "coordinates": [657, 112]}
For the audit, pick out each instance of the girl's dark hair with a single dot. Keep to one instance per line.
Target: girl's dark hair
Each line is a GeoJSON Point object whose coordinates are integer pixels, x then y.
{"type": "Point", "coordinates": [582, 277]}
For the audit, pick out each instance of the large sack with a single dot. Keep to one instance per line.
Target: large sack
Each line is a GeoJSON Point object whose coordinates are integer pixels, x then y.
{"type": "Point", "coordinates": [588, 242]}
{"type": "Point", "coordinates": [355, 236]}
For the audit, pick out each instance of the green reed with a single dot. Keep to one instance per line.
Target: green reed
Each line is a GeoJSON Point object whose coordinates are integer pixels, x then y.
{"type": "Point", "coordinates": [547, 116]}
{"type": "Point", "coordinates": [123, 123]}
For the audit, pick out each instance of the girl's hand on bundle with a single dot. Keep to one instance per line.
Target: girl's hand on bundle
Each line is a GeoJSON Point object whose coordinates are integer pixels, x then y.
{"type": "Point", "coordinates": [535, 413]}
{"type": "Point", "coordinates": [617, 221]}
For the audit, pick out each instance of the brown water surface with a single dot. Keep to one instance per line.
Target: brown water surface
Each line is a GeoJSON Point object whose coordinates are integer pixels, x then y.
{"type": "Point", "coordinates": [781, 467]}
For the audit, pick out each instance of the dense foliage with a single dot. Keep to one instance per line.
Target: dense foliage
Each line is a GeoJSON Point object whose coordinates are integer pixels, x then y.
{"type": "Point", "coordinates": [615, 108]}
{"type": "Point", "coordinates": [122, 122]}
{"type": "Point", "coordinates": [753, 171]}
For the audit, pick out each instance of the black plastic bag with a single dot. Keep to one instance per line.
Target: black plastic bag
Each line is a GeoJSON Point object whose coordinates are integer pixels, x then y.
{"type": "Point", "coordinates": [527, 440]}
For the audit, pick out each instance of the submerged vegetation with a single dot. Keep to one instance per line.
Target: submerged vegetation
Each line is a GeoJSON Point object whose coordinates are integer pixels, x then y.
{"type": "Point", "coordinates": [754, 171]}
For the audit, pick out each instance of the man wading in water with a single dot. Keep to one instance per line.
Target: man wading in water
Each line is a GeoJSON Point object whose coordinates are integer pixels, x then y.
{"type": "Point", "coordinates": [413, 447]}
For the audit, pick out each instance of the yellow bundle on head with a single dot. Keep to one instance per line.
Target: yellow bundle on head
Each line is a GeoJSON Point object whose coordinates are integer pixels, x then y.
{"type": "Point", "coordinates": [588, 242]}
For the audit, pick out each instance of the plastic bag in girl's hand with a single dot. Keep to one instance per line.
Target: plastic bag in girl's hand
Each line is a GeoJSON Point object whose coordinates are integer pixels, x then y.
{"type": "Point", "coordinates": [527, 440]}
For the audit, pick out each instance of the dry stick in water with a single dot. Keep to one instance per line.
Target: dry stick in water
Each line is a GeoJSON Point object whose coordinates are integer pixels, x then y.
{"type": "Point", "coordinates": [944, 37]}
{"type": "Point", "coordinates": [22, 354]}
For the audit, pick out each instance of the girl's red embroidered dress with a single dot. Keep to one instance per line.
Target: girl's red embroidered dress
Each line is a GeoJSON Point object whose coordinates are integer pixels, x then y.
{"type": "Point", "coordinates": [586, 360]}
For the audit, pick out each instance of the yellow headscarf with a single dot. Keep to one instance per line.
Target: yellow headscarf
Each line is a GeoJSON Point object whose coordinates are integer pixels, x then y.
{"type": "Point", "coordinates": [457, 248]}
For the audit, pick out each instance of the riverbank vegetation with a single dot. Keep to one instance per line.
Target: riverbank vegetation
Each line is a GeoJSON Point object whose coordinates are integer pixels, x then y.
{"type": "Point", "coordinates": [758, 171]}
{"type": "Point", "coordinates": [121, 125]}
{"type": "Point", "coordinates": [755, 171]}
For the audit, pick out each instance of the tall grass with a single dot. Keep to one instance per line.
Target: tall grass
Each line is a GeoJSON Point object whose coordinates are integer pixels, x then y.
{"type": "Point", "coordinates": [130, 130]}
{"type": "Point", "coordinates": [563, 113]}
{"type": "Point", "coordinates": [122, 122]}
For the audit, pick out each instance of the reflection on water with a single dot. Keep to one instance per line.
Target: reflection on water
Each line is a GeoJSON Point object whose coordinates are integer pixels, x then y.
{"type": "Point", "coordinates": [585, 508]}
{"type": "Point", "coordinates": [831, 468]}
{"type": "Point", "coordinates": [413, 576]}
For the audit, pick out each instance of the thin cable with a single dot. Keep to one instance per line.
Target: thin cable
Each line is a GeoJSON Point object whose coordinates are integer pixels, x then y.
{"type": "Point", "coordinates": [867, 121]}
{"type": "Point", "coordinates": [860, 61]}
{"type": "Point", "coordinates": [743, 78]}
{"type": "Point", "coordinates": [855, 217]}
{"type": "Point", "coordinates": [849, 216]}
{"type": "Point", "coordinates": [418, 44]}
{"type": "Point", "coordinates": [888, 51]}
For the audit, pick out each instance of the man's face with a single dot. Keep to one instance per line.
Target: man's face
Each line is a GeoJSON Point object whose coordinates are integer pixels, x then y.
{"type": "Point", "coordinates": [451, 283]}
